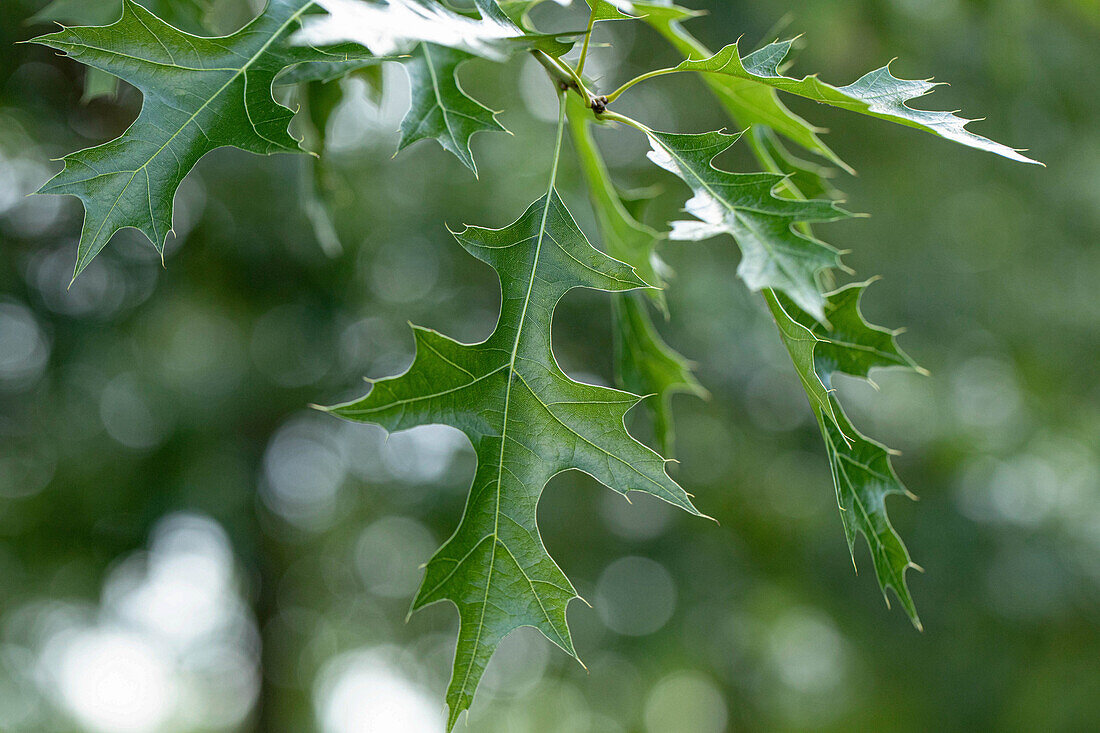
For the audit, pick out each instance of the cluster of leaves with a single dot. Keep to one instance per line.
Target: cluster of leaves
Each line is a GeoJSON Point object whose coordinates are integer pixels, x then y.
{"type": "Point", "coordinates": [526, 419]}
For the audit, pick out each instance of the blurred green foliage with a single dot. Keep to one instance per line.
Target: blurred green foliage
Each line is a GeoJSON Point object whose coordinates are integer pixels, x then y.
{"type": "Point", "coordinates": [173, 520]}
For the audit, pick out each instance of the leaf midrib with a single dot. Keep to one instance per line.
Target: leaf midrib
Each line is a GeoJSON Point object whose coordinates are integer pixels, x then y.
{"type": "Point", "coordinates": [504, 424]}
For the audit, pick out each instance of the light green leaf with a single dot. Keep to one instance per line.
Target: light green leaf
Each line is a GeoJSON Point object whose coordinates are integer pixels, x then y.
{"type": "Point", "coordinates": [527, 422]}
{"type": "Point", "coordinates": [745, 206]}
{"type": "Point", "coordinates": [319, 99]}
{"type": "Point", "coordinates": [199, 94]}
{"type": "Point", "coordinates": [398, 25]}
{"type": "Point", "coordinates": [644, 363]}
{"type": "Point", "coordinates": [862, 472]}
{"type": "Point", "coordinates": [800, 343]}
{"type": "Point", "coordinates": [878, 93]}
{"type": "Point", "coordinates": [440, 109]}
{"type": "Point", "coordinates": [849, 344]}
{"type": "Point", "coordinates": [625, 238]}
{"type": "Point", "coordinates": [610, 10]}
{"type": "Point", "coordinates": [97, 84]}
{"type": "Point", "coordinates": [809, 180]}
{"type": "Point", "coordinates": [748, 103]}
{"type": "Point", "coordinates": [863, 477]}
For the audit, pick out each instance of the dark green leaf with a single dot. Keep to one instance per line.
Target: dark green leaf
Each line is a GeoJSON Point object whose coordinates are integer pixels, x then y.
{"type": "Point", "coordinates": [645, 364]}
{"type": "Point", "coordinates": [849, 344]}
{"type": "Point", "coordinates": [200, 94]}
{"type": "Point", "coordinates": [527, 422]}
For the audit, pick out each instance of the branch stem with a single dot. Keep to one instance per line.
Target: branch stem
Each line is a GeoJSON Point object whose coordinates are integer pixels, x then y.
{"type": "Point", "coordinates": [587, 39]}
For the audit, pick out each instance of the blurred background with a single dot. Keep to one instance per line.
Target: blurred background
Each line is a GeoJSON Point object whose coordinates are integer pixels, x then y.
{"type": "Point", "coordinates": [184, 546]}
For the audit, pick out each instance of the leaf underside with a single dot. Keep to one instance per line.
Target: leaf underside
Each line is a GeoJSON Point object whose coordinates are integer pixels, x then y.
{"type": "Point", "coordinates": [399, 25]}
{"type": "Point", "coordinates": [862, 472]}
{"type": "Point", "coordinates": [746, 206]}
{"type": "Point", "coordinates": [527, 422]}
{"type": "Point", "coordinates": [747, 102]}
{"type": "Point", "coordinates": [747, 85]}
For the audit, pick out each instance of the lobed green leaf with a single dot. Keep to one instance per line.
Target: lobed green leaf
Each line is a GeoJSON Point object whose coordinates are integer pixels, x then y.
{"type": "Point", "coordinates": [527, 421]}
{"type": "Point", "coordinates": [746, 206]}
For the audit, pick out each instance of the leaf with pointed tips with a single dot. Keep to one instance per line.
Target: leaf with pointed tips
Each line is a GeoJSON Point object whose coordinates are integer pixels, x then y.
{"type": "Point", "coordinates": [878, 93]}
{"type": "Point", "coordinates": [181, 13]}
{"type": "Point", "coordinates": [863, 477]}
{"type": "Point", "coordinates": [849, 344]}
{"type": "Point", "coordinates": [527, 422]}
{"type": "Point", "coordinates": [747, 102]}
{"type": "Point", "coordinates": [440, 109]}
{"type": "Point", "coordinates": [862, 473]}
{"type": "Point", "coordinates": [800, 343]}
{"type": "Point", "coordinates": [199, 94]}
{"type": "Point", "coordinates": [745, 206]}
{"type": "Point", "coordinates": [808, 179]}
{"type": "Point", "coordinates": [611, 10]}
{"type": "Point", "coordinates": [645, 364]}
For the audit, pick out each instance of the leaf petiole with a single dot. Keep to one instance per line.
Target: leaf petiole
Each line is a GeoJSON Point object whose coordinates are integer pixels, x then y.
{"type": "Point", "coordinates": [640, 78]}
{"type": "Point", "coordinates": [623, 119]}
